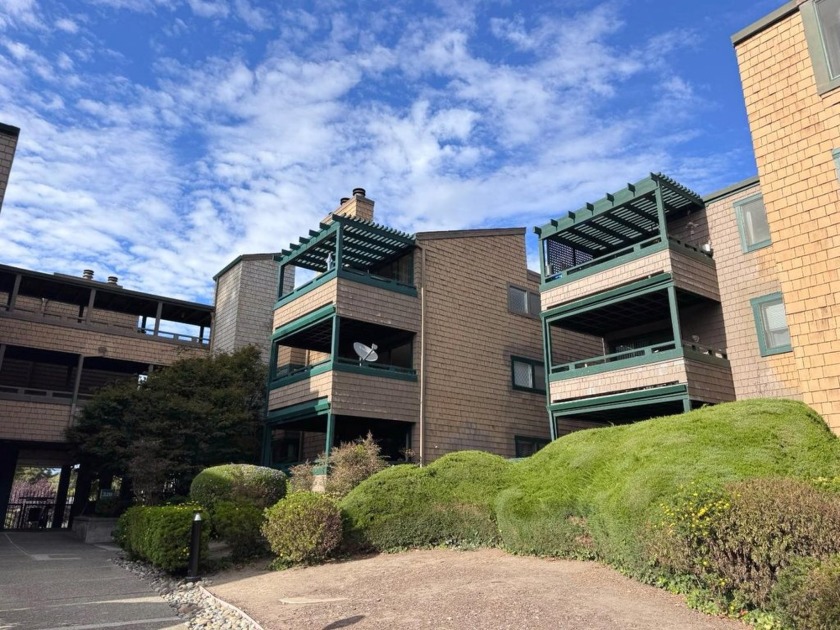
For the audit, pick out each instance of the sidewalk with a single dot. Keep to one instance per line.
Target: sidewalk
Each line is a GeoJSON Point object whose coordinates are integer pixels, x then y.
{"type": "Point", "coordinates": [51, 581]}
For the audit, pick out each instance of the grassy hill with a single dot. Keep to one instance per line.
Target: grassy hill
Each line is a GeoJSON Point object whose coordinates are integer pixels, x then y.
{"type": "Point", "coordinates": [591, 493]}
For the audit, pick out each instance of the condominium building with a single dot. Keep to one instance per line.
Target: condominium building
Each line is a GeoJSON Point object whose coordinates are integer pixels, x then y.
{"type": "Point", "coordinates": [61, 338]}
{"type": "Point", "coordinates": [789, 63]}
{"type": "Point", "coordinates": [430, 341]}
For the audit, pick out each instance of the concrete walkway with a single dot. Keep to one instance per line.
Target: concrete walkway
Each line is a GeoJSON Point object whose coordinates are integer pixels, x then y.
{"type": "Point", "coordinates": [51, 581]}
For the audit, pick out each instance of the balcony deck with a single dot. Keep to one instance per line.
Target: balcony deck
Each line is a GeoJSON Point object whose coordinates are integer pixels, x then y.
{"type": "Point", "coordinates": [385, 392]}
{"type": "Point", "coordinates": [691, 269]}
{"type": "Point", "coordinates": [704, 370]}
{"type": "Point", "coordinates": [356, 296]}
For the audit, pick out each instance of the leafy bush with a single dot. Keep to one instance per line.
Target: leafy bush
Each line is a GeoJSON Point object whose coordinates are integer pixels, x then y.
{"type": "Point", "coordinates": [304, 527]}
{"type": "Point", "coordinates": [238, 524]}
{"type": "Point", "coordinates": [807, 595]}
{"type": "Point", "coordinates": [450, 501]}
{"type": "Point", "coordinates": [351, 463]}
{"type": "Point", "coordinates": [244, 483]}
{"type": "Point", "coordinates": [302, 477]}
{"type": "Point", "coordinates": [769, 524]}
{"type": "Point", "coordinates": [736, 541]}
{"type": "Point", "coordinates": [161, 535]}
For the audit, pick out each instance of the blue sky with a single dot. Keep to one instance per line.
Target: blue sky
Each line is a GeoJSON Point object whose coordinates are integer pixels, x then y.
{"type": "Point", "coordinates": [162, 138]}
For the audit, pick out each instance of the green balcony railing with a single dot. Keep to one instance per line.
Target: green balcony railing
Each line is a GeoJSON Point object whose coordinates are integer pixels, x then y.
{"type": "Point", "coordinates": [292, 373]}
{"type": "Point", "coordinates": [637, 356]}
{"type": "Point", "coordinates": [625, 255]}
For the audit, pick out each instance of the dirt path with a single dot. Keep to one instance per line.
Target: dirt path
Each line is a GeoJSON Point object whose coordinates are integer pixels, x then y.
{"type": "Point", "coordinates": [485, 589]}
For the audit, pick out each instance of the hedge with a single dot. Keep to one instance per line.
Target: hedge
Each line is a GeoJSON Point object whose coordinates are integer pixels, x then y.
{"type": "Point", "coordinates": [161, 535]}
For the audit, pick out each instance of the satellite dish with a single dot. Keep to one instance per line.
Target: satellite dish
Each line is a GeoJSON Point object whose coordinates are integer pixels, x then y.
{"type": "Point", "coordinates": [366, 353]}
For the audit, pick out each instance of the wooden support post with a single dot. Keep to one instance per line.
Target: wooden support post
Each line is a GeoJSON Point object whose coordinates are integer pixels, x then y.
{"type": "Point", "coordinates": [89, 309]}
{"type": "Point", "coordinates": [157, 317]}
{"type": "Point", "coordinates": [61, 497]}
{"type": "Point", "coordinates": [660, 211]}
{"type": "Point", "coordinates": [76, 383]}
{"type": "Point", "coordinates": [330, 436]}
{"type": "Point", "coordinates": [10, 302]}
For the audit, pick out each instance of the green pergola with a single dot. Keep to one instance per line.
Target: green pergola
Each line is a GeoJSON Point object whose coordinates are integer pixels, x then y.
{"type": "Point", "coordinates": [352, 243]}
{"type": "Point", "coordinates": [626, 218]}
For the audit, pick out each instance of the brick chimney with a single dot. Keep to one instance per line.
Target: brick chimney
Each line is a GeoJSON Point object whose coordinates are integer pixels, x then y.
{"type": "Point", "coordinates": [358, 207]}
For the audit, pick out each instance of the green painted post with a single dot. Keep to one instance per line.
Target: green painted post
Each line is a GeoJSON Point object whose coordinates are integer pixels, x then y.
{"type": "Point", "coordinates": [339, 247]}
{"type": "Point", "coordinates": [686, 404]}
{"type": "Point", "coordinates": [546, 330]}
{"type": "Point", "coordinates": [330, 435]}
{"type": "Point", "coordinates": [660, 211]}
{"type": "Point", "coordinates": [675, 316]}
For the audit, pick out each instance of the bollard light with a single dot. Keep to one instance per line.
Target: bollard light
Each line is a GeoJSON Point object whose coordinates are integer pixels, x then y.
{"type": "Point", "coordinates": [195, 548]}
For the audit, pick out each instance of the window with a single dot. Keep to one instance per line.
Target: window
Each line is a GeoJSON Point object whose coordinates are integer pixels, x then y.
{"type": "Point", "coordinates": [821, 19]}
{"type": "Point", "coordinates": [527, 446]}
{"type": "Point", "coordinates": [527, 375]}
{"type": "Point", "coordinates": [752, 223]}
{"type": "Point", "coordinates": [828, 19]}
{"type": "Point", "coordinates": [771, 324]}
{"type": "Point", "coordinates": [523, 302]}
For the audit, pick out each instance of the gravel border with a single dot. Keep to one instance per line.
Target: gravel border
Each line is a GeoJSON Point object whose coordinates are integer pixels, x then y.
{"type": "Point", "coordinates": [199, 608]}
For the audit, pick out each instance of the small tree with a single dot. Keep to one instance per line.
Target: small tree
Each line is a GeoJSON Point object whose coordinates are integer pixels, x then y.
{"type": "Point", "coordinates": [198, 412]}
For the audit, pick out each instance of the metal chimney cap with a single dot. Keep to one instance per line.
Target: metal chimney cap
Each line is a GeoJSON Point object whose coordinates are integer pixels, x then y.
{"type": "Point", "coordinates": [112, 279]}
{"type": "Point", "coordinates": [344, 200]}
{"type": "Point", "coordinates": [358, 192]}
{"type": "Point", "coordinates": [87, 274]}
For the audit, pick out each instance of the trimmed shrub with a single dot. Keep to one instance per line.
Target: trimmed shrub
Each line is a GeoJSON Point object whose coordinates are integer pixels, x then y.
{"type": "Point", "coordinates": [304, 527]}
{"type": "Point", "coordinates": [807, 595]}
{"type": "Point", "coordinates": [448, 502]}
{"type": "Point", "coordinates": [161, 534]}
{"type": "Point", "coordinates": [238, 524]}
{"type": "Point", "coordinates": [256, 485]}
{"type": "Point", "coordinates": [352, 463]}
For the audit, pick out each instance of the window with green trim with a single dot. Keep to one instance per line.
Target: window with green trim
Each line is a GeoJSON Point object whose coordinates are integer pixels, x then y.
{"type": "Point", "coordinates": [527, 446]}
{"type": "Point", "coordinates": [527, 375]}
{"type": "Point", "coordinates": [771, 324]}
{"type": "Point", "coordinates": [523, 302]}
{"type": "Point", "coordinates": [752, 223]}
{"type": "Point", "coordinates": [828, 19]}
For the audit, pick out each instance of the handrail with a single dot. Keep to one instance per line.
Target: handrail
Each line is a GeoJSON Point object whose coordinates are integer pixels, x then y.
{"type": "Point", "coordinates": [102, 324]}
{"type": "Point", "coordinates": [624, 251]}
{"type": "Point", "coordinates": [606, 258]}
{"type": "Point", "coordinates": [378, 278]}
{"type": "Point", "coordinates": [685, 346]}
{"type": "Point", "coordinates": [615, 356]}
{"type": "Point", "coordinates": [705, 350]}
{"type": "Point", "coordinates": [42, 393]}
{"type": "Point", "coordinates": [292, 369]}
{"type": "Point", "coordinates": [376, 366]}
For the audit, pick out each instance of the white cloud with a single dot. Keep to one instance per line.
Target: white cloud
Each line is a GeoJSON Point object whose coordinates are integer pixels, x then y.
{"type": "Point", "coordinates": [67, 25]}
{"type": "Point", "coordinates": [162, 181]}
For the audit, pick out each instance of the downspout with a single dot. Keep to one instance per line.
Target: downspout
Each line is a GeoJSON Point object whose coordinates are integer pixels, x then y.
{"type": "Point", "coordinates": [422, 355]}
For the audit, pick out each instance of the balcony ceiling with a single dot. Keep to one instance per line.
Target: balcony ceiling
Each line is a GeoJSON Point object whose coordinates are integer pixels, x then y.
{"type": "Point", "coordinates": [319, 336]}
{"type": "Point", "coordinates": [636, 311]}
{"type": "Point", "coordinates": [622, 219]}
{"type": "Point", "coordinates": [109, 297]}
{"type": "Point", "coordinates": [364, 245]}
